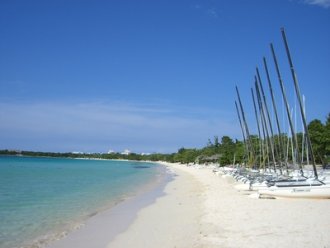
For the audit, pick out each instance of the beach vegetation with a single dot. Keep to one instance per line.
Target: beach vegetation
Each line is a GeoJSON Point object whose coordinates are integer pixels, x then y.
{"type": "Point", "coordinates": [224, 151]}
{"type": "Point", "coordinates": [320, 138]}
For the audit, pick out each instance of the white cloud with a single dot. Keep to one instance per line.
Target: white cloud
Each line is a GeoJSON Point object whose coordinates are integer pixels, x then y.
{"type": "Point", "coordinates": [207, 10]}
{"type": "Point", "coordinates": [197, 6]}
{"type": "Point", "coordinates": [212, 13]}
{"type": "Point", "coordinates": [322, 3]}
{"type": "Point", "coordinates": [98, 126]}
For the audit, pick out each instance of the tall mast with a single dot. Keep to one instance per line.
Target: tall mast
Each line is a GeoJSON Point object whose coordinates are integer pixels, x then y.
{"type": "Point", "coordinates": [280, 139]}
{"type": "Point", "coordinates": [307, 154]}
{"type": "Point", "coordinates": [294, 77]}
{"type": "Point", "coordinates": [245, 124]}
{"type": "Point", "coordinates": [262, 112]}
{"type": "Point", "coordinates": [265, 107]}
{"type": "Point", "coordinates": [265, 147]}
{"type": "Point", "coordinates": [294, 140]}
{"type": "Point", "coordinates": [243, 133]}
{"type": "Point", "coordinates": [257, 120]}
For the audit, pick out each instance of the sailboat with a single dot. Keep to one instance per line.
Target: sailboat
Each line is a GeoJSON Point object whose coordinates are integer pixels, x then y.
{"type": "Point", "coordinates": [302, 187]}
{"type": "Point", "coordinates": [278, 182]}
{"type": "Point", "coordinates": [314, 191]}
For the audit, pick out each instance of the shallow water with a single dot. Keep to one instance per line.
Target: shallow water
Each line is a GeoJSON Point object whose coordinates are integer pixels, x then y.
{"type": "Point", "coordinates": [41, 199]}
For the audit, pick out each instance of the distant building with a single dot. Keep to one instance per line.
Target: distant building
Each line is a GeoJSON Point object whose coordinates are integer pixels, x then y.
{"type": "Point", "coordinates": [77, 153]}
{"type": "Point", "coordinates": [111, 151]}
{"type": "Point", "coordinates": [126, 152]}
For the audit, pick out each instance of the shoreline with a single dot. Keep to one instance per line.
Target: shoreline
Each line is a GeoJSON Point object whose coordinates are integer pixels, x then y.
{"type": "Point", "coordinates": [172, 220]}
{"type": "Point", "coordinates": [102, 226]}
{"type": "Point", "coordinates": [199, 209]}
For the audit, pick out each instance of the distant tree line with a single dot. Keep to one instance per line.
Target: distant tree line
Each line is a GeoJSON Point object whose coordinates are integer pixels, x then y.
{"type": "Point", "coordinates": [224, 152]}
{"type": "Point", "coordinates": [320, 138]}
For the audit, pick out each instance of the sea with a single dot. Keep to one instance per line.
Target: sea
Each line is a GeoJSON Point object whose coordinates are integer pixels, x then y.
{"type": "Point", "coordinates": [43, 199]}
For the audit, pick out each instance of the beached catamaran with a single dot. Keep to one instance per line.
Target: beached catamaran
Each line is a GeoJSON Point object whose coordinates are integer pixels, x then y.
{"type": "Point", "coordinates": [273, 177]}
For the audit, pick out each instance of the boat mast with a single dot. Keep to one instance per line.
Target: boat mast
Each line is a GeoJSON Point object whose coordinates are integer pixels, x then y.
{"type": "Point", "coordinates": [246, 126]}
{"type": "Point", "coordinates": [294, 140]}
{"type": "Point", "coordinates": [257, 120]}
{"type": "Point", "coordinates": [294, 77]}
{"type": "Point", "coordinates": [265, 108]}
{"type": "Point", "coordinates": [264, 122]}
{"type": "Point", "coordinates": [243, 133]}
{"type": "Point", "coordinates": [303, 140]}
{"type": "Point", "coordinates": [307, 154]}
{"type": "Point", "coordinates": [280, 138]}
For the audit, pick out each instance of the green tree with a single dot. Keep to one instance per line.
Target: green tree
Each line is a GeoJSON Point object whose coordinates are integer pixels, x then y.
{"type": "Point", "coordinates": [186, 155]}
{"type": "Point", "coordinates": [227, 150]}
{"type": "Point", "coordinates": [327, 139]}
{"type": "Point", "coordinates": [317, 132]}
{"type": "Point", "coordinates": [239, 152]}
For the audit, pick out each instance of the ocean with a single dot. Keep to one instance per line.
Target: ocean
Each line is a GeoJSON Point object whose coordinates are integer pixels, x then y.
{"type": "Point", "coordinates": [42, 199]}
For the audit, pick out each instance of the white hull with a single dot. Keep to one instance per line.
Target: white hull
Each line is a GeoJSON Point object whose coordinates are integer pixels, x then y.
{"type": "Point", "coordinates": [242, 187]}
{"type": "Point", "coordinates": [315, 192]}
{"type": "Point", "coordinates": [228, 178]}
{"type": "Point", "coordinates": [258, 186]}
{"type": "Point", "coordinates": [251, 187]}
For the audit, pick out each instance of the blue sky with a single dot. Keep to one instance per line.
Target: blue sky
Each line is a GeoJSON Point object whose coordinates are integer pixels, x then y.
{"type": "Point", "coordinates": [150, 76]}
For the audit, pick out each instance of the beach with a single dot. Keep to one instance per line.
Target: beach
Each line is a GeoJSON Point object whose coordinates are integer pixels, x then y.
{"type": "Point", "coordinates": [200, 209]}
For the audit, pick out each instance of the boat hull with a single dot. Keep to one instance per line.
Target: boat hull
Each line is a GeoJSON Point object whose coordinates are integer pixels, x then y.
{"type": "Point", "coordinates": [313, 192]}
{"type": "Point", "coordinates": [242, 187]}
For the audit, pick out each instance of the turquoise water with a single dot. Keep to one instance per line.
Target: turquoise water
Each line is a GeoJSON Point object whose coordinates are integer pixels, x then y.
{"type": "Point", "coordinates": [44, 198]}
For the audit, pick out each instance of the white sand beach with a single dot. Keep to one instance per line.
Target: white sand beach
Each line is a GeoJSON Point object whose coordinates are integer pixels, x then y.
{"type": "Point", "coordinates": [200, 209]}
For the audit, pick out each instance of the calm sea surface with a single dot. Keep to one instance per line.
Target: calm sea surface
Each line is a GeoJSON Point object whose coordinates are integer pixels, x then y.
{"type": "Point", "coordinates": [41, 199]}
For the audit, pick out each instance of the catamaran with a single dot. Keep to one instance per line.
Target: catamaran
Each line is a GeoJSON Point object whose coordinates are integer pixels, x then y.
{"type": "Point", "coordinates": [276, 183]}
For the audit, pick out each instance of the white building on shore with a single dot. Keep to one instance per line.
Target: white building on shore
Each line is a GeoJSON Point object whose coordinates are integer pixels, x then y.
{"type": "Point", "coordinates": [126, 152]}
